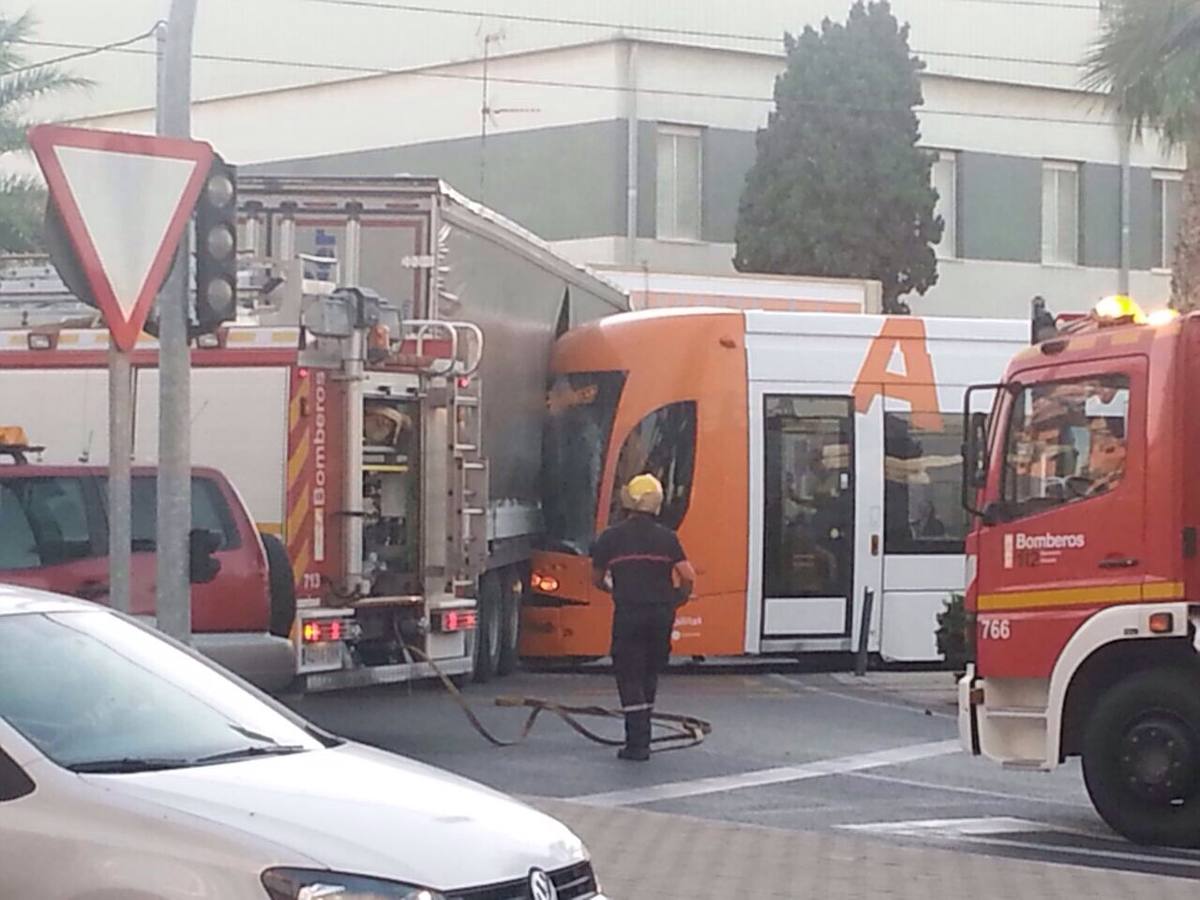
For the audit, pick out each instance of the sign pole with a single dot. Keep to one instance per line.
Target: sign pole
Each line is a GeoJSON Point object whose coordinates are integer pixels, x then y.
{"type": "Point", "coordinates": [120, 451]}
{"type": "Point", "coordinates": [174, 601]}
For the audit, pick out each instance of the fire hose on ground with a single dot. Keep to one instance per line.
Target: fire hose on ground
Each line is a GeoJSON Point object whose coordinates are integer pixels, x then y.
{"type": "Point", "coordinates": [676, 732]}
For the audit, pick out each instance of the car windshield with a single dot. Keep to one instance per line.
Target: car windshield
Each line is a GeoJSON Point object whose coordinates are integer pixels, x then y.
{"type": "Point", "coordinates": [580, 411]}
{"type": "Point", "coordinates": [95, 692]}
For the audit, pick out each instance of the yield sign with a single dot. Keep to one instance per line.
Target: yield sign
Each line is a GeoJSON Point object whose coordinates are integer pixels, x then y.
{"type": "Point", "coordinates": [124, 200]}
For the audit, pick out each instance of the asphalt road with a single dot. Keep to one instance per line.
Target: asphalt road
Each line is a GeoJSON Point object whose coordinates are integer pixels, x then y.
{"type": "Point", "coordinates": [789, 749]}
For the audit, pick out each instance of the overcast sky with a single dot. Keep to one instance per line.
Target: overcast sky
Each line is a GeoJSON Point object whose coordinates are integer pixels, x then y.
{"type": "Point", "coordinates": [366, 33]}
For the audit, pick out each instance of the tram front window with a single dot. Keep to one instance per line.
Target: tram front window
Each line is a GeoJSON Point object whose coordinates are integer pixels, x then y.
{"type": "Point", "coordinates": [580, 408]}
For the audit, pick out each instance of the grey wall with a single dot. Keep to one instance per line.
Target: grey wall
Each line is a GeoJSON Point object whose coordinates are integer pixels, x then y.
{"type": "Point", "coordinates": [570, 182]}
{"type": "Point", "coordinates": [647, 179]}
{"type": "Point", "coordinates": [726, 157]}
{"type": "Point", "coordinates": [1000, 206]}
{"type": "Point", "coordinates": [1100, 215]}
{"type": "Point", "coordinates": [1142, 249]}
{"type": "Point", "coordinates": [564, 182]}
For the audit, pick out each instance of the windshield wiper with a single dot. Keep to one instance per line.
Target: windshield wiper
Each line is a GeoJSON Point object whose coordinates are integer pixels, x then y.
{"type": "Point", "coordinates": [128, 764]}
{"type": "Point", "coordinates": [248, 753]}
{"type": "Point", "coordinates": [253, 735]}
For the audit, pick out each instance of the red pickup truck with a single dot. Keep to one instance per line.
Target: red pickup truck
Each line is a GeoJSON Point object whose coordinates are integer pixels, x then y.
{"type": "Point", "coordinates": [54, 536]}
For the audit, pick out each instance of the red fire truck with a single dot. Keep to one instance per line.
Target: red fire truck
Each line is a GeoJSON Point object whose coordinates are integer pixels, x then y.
{"type": "Point", "coordinates": [1085, 589]}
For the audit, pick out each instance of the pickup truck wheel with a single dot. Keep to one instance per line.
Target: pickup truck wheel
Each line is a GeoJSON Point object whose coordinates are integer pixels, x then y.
{"type": "Point", "coordinates": [510, 625]}
{"type": "Point", "coordinates": [489, 637]}
{"type": "Point", "coordinates": [282, 585]}
{"type": "Point", "coordinates": [1141, 758]}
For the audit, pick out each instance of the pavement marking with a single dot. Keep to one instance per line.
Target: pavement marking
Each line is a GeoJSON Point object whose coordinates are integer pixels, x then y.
{"type": "Point", "coordinates": [955, 828]}
{"type": "Point", "coordinates": [675, 790]}
{"type": "Point", "coordinates": [799, 685]}
{"type": "Point", "coordinates": [989, 832]}
{"type": "Point", "coordinates": [974, 792]}
{"type": "Point", "coordinates": [1043, 849]}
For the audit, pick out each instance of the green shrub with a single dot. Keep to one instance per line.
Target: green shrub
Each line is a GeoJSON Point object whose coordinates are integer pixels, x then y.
{"type": "Point", "coordinates": [952, 632]}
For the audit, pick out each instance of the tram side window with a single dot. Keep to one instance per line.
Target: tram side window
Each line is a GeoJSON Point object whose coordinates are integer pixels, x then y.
{"type": "Point", "coordinates": [922, 484]}
{"type": "Point", "coordinates": [1067, 441]}
{"type": "Point", "coordinates": [664, 445]}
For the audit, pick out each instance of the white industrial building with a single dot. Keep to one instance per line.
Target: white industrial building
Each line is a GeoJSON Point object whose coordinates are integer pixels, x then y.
{"type": "Point", "coordinates": [622, 132]}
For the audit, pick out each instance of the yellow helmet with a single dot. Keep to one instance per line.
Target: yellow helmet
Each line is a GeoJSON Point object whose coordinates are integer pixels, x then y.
{"type": "Point", "coordinates": [644, 493]}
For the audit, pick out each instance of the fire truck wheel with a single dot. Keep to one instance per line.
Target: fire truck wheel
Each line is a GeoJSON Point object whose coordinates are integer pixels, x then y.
{"type": "Point", "coordinates": [282, 586]}
{"type": "Point", "coordinates": [489, 637]}
{"type": "Point", "coordinates": [1141, 758]}
{"type": "Point", "coordinates": [510, 625]}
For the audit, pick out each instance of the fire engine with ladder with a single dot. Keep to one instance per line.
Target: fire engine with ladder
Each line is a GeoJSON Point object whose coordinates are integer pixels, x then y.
{"type": "Point", "coordinates": [392, 444]}
{"type": "Point", "coordinates": [1083, 605]}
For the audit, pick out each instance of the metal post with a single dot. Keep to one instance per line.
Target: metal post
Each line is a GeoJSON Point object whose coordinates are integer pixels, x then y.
{"type": "Point", "coordinates": [174, 601]}
{"type": "Point", "coordinates": [864, 634]}
{"type": "Point", "coordinates": [353, 372]}
{"type": "Point", "coordinates": [631, 155]}
{"type": "Point", "coordinates": [1126, 210]}
{"type": "Point", "coordinates": [120, 449]}
{"type": "Point", "coordinates": [160, 53]}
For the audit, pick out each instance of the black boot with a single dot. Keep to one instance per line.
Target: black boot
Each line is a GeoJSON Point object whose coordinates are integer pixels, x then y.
{"type": "Point", "coordinates": [637, 736]}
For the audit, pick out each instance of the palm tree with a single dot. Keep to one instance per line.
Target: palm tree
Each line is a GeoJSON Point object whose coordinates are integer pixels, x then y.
{"type": "Point", "coordinates": [22, 200]}
{"type": "Point", "coordinates": [1148, 59]}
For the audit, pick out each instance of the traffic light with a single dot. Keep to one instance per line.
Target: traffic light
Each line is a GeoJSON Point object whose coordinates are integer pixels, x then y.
{"type": "Point", "coordinates": [216, 248]}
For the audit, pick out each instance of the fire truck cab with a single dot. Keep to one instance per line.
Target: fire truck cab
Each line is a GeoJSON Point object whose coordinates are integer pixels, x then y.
{"type": "Point", "coordinates": [1084, 575]}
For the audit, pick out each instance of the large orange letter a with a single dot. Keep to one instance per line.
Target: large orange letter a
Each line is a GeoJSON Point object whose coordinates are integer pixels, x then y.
{"type": "Point", "coordinates": [915, 385]}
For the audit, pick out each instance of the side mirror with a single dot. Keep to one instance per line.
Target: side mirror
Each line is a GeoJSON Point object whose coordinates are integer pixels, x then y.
{"type": "Point", "coordinates": [976, 450]}
{"type": "Point", "coordinates": [975, 461]}
{"type": "Point", "coordinates": [994, 513]}
{"type": "Point", "coordinates": [202, 544]}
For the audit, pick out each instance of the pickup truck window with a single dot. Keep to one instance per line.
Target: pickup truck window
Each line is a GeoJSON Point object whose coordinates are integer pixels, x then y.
{"type": "Point", "coordinates": [210, 511]}
{"type": "Point", "coordinates": [1066, 442]}
{"type": "Point", "coordinates": [43, 522]}
{"type": "Point", "coordinates": [18, 545]}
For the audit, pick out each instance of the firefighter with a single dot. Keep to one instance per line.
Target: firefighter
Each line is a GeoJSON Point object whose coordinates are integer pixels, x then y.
{"type": "Point", "coordinates": [643, 564]}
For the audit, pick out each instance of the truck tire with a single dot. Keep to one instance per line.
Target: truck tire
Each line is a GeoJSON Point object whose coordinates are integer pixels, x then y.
{"type": "Point", "coordinates": [1141, 757]}
{"type": "Point", "coordinates": [489, 636]}
{"type": "Point", "coordinates": [282, 586]}
{"type": "Point", "coordinates": [510, 625]}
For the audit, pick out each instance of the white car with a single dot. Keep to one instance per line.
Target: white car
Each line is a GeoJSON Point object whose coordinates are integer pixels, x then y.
{"type": "Point", "coordinates": [130, 767]}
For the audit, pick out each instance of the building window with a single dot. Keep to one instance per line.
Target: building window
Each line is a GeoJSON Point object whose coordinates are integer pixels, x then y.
{"type": "Point", "coordinates": [678, 183]}
{"type": "Point", "coordinates": [1060, 213]}
{"type": "Point", "coordinates": [1168, 189]}
{"type": "Point", "coordinates": [944, 177]}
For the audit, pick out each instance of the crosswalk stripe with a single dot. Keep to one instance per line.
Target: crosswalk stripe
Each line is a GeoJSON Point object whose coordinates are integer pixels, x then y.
{"type": "Point", "coordinates": [761, 777]}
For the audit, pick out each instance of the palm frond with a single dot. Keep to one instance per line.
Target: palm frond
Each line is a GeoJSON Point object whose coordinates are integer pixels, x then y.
{"type": "Point", "coordinates": [1144, 59]}
{"type": "Point", "coordinates": [32, 83]}
{"type": "Point", "coordinates": [22, 208]}
{"type": "Point", "coordinates": [15, 30]}
{"type": "Point", "coordinates": [13, 33]}
{"type": "Point", "coordinates": [1148, 59]}
{"type": "Point", "coordinates": [12, 134]}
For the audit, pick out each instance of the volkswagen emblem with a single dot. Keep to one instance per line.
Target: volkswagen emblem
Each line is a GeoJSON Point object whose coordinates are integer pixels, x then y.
{"type": "Point", "coordinates": [541, 887]}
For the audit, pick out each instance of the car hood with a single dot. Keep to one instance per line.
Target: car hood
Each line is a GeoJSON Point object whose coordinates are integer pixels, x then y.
{"type": "Point", "coordinates": [360, 810]}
